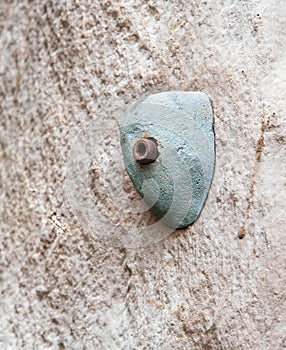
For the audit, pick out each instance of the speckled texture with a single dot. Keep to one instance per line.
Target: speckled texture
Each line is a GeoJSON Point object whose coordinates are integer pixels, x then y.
{"type": "Point", "coordinates": [176, 185]}
{"type": "Point", "coordinates": [65, 63]}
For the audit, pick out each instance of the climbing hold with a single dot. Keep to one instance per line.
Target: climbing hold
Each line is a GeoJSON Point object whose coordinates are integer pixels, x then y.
{"type": "Point", "coordinates": [168, 148]}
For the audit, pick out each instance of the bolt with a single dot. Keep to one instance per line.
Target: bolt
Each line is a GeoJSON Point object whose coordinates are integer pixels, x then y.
{"type": "Point", "coordinates": [145, 150]}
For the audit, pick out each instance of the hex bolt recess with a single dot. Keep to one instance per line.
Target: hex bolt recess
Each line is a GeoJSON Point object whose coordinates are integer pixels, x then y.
{"type": "Point", "coordinates": [145, 150]}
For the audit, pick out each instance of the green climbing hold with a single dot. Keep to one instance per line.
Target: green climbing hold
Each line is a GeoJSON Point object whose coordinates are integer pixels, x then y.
{"type": "Point", "coordinates": [168, 148]}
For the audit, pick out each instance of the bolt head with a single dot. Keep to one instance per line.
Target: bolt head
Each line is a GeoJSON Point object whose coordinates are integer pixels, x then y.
{"type": "Point", "coordinates": [145, 150]}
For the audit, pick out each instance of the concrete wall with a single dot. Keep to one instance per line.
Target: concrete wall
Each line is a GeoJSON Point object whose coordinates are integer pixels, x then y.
{"type": "Point", "coordinates": [64, 284]}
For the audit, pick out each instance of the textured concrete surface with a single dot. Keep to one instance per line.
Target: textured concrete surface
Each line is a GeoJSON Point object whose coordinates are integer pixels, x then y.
{"type": "Point", "coordinates": [64, 64]}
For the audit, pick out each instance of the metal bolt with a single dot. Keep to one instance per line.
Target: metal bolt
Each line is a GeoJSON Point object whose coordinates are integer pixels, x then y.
{"type": "Point", "coordinates": [145, 150]}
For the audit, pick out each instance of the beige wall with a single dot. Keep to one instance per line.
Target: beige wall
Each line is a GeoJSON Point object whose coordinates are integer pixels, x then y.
{"type": "Point", "coordinates": [64, 64]}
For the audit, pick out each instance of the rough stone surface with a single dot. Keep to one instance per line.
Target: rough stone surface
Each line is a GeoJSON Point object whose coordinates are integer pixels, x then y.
{"type": "Point", "coordinates": [66, 63]}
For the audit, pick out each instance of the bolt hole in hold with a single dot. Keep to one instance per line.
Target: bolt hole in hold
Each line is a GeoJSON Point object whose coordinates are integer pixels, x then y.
{"type": "Point", "coordinates": [141, 148]}
{"type": "Point", "coordinates": [145, 151]}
